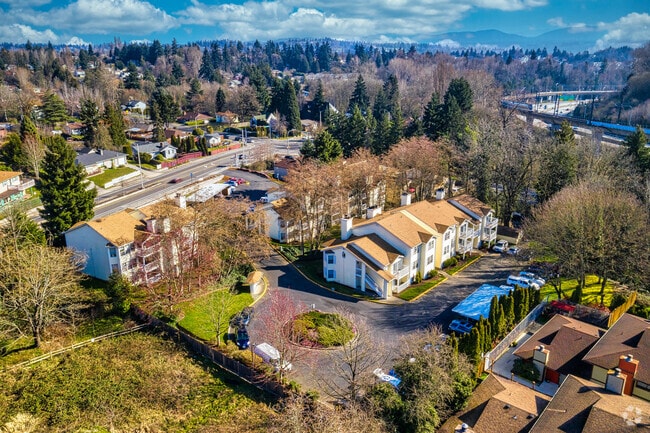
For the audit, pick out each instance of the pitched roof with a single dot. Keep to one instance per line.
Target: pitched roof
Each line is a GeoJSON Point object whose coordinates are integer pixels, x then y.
{"type": "Point", "coordinates": [580, 405]}
{"type": "Point", "coordinates": [6, 175]}
{"type": "Point", "coordinates": [118, 228]}
{"type": "Point", "coordinates": [473, 204]}
{"type": "Point", "coordinates": [371, 249]}
{"type": "Point", "coordinates": [88, 156]}
{"type": "Point", "coordinates": [500, 406]}
{"type": "Point", "coordinates": [566, 339]}
{"type": "Point", "coordinates": [629, 335]}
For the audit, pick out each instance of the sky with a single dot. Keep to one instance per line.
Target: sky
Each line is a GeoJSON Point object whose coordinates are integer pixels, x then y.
{"type": "Point", "coordinates": [613, 23]}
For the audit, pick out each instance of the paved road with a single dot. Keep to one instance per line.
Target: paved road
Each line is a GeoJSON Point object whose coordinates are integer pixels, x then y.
{"type": "Point", "coordinates": [390, 322]}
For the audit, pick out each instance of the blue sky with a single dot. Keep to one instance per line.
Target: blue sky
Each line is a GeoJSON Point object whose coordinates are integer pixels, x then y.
{"type": "Point", "coordinates": [622, 22]}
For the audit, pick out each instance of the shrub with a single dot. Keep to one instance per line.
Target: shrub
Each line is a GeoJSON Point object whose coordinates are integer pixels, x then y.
{"type": "Point", "coordinates": [418, 277]}
{"type": "Point", "coordinates": [526, 370]}
{"type": "Point", "coordinates": [432, 274]}
{"type": "Point", "coordinates": [452, 261]}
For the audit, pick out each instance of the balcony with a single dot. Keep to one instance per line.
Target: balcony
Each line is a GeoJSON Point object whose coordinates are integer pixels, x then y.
{"type": "Point", "coordinates": [491, 223]}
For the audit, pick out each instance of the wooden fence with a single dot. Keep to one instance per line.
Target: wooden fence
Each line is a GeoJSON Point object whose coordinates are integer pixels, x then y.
{"type": "Point", "coordinates": [254, 377]}
{"type": "Point", "coordinates": [621, 309]}
{"type": "Point", "coordinates": [180, 160]}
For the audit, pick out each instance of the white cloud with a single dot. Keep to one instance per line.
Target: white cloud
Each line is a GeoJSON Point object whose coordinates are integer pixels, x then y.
{"type": "Point", "coordinates": [556, 22]}
{"type": "Point", "coordinates": [508, 5]}
{"type": "Point", "coordinates": [103, 17]}
{"type": "Point", "coordinates": [632, 30]}
{"type": "Point", "coordinates": [374, 20]}
{"type": "Point", "coordinates": [19, 34]}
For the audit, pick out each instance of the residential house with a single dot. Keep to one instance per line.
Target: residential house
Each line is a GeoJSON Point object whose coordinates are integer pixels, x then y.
{"type": "Point", "coordinates": [73, 128]}
{"type": "Point", "coordinates": [107, 243]}
{"type": "Point", "coordinates": [179, 133]}
{"type": "Point", "coordinates": [226, 117]}
{"type": "Point", "coordinates": [557, 348]}
{"type": "Point", "coordinates": [481, 212]}
{"type": "Point", "coordinates": [498, 405]}
{"type": "Point", "coordinates": [199, 118]}
{"type": "Point", "coordinates": [12, 188]}
{"type": "Point", "coordinates": [623, 354]}
{"type": "Point", "coordinates": [212, 140]}
{"type": "Point", "coordinates": [96, 160]}
{"type": "Point", "coordinates": [385, 254]}
{"type": "Point", "coordinates": [583, 406]}
{"type": "Point", "coordinates": [131, 243]}
{"type": "Point", "coordinates": [154, 149]}
{"type": "Point", "coordinates": [133, 105]}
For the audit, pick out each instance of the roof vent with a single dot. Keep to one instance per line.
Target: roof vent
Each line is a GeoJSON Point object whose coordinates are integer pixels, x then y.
{"type": "Point", "coordinates": [464, 427]}
{"type": "Point", "coordinates": [617, 371]}
{"type": "Point", "coordinates": [507, 406]}
{"type": "Point", "coordinates": [540, 347]}
{"type": "Point", "coordinates": [629, 357]}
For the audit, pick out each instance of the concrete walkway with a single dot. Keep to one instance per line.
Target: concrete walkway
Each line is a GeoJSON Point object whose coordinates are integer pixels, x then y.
{"type": "Point", "coordinates": [504, 364]}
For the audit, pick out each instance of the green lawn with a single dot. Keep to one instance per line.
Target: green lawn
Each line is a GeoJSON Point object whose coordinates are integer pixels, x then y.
{"type": "Point", "coordinates": [462, 264]}
{"type": "Point", "coordinates": [416, 290]}
{"type": "Point", "coordinates": [591, 293]}
{"type": "Point", "coordinates": [199, 314]}
{"type": "Point", "coordinates": [110, 174]}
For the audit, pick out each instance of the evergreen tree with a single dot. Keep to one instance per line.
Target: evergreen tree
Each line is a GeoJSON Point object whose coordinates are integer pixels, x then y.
{"type": "Point", "coordinates": [53, 108]}
{"type": "Point", "coordinates": [27, 127]}
{"type": "Point", "coordinates": [132, 80]}
{"type": "Point", "coordinates": [66, 199]}
{"type": "Point", "coordinates": [18, 230]}
{"type": "Point", "coordinates": [308, 150]}
{"type": "Point", "coordinates": [220, 101]}
{"type": "Point", "coordinates": [12, 153]}
{"type": "Point", "coordinates": [460, 90]}
{"type": "Point", "coordinates": [206, 71]}
{"type": "Point", "coordinates": [380, 107]}
{"type": "Point", "coordinates": [359, 98]}
{"type": "Point", "coordinates": [327, 148]}
{"type": "Point", "coordinates": [637, 149]}
{"type": "Point", "coordinates": [162, 108]}
{"type": "Point", "coordinates": [355, 133]}
{"type": "Point", "coordinates": [177, 72]}
{"type": "Point", "coordinates": [116, 127]}
{"type": "Point", "coordinates": [285, 102]}
{"type": "Point", "coordinates": [382, 137]}
{"type": "Point", "coordinates": [431, 122]}
{"type": "Point", "coordinates": [293, 113]}
{"type": "Point", "coordinates": [193, 95]}
{"type": "Point", "coordinates": [397, 129]}
{"type": "Point", "coordinates": [320, 104]}
{"type": "Point", "coordinates": [89, 117]}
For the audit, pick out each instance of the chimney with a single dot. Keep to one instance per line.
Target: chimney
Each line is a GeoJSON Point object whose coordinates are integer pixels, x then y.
{"type": "Point", "coordinates": [180, 201]}
{"type": "Point", "coordinates": [616, 381]}
{"type": "Point", "coordinates": [151, 225]}
{"type": "Point", "coordinates": [629, 366]}
{"type": "Point", "coordinates": [373, 211]}
{"type": "Point", "coordinates": [440, 194]}
{"type": "Point", "coordinates": [346, 227]}
{"type": "Point", "coordinates": [540, 360]}
{"type": "Point", "coordinates": [405, 199]}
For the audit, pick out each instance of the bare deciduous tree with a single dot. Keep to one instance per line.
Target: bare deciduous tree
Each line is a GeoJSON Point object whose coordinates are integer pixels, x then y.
{"type": "Point", "coordinates": [39, 287]}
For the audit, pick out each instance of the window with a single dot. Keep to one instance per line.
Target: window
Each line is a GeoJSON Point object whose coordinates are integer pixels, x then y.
{"type": "Point", "coordinates": [415, 265]}
{"type": "Point", "coordinates": [115, 269]}
{"type": "Point", "coordinates": [112, 251]}
{"type": "Point", "coordinates": [331, 258]}
{"type": "Point", "coordinates": [446, 250]}
{"type": "Point", "coordinates": [431, 244]}
{"type": "Point", "coordinates": [331, 274]}
{"type": "Point", "coordinates": [430, 259]}
{"type": "Point", "coordinates": [447, 236]}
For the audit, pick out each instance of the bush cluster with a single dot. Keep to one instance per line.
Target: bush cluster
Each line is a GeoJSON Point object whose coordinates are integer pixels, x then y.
{"type": "Point", "coordinates": [452, 261]}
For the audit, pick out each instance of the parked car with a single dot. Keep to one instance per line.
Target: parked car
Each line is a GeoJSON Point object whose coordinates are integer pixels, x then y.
{"type": "Point", "coordinates": [533, 277]}
{"type": "Point", "coordinates": [500, 247]}
{"type": "Point", "coordinates": [460, 326]}
{"type": "Point", "coordinates": [242, 340]}
{"type": "Point", "coordinates": [516, 280]}
{"type": "Point", "coordinates": [512, 251]}
{"type": "Point", "coordinates": [243, 318]}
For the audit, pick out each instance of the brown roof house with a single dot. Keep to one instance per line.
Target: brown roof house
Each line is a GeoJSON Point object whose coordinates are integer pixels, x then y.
{"type": "Point", "coordinates": [623, 355]}
{"type": "Point", "coordinates": [12, 187]}
{"type": "Point", "coordinates": [557, 348]}
{"type": "Point", "coordinates": [582, 406]}
{"type": "Point", "coordinates": [498, 405]}
{"type": "Point", "coordinates": [384, 254]}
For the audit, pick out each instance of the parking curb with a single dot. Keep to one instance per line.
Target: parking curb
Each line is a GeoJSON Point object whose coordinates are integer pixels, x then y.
{"type": "Point", "coordinates": [429, 289]}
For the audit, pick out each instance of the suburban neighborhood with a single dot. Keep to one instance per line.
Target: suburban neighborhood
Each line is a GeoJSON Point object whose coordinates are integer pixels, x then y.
{"type": "Point", "coordinates": [311, 236]}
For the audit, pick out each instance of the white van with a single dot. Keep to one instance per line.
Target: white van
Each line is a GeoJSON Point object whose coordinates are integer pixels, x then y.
{"type": "Point", "coordinates": [271, 355]}
{"type": "Point", "coordinates": [516, 280]}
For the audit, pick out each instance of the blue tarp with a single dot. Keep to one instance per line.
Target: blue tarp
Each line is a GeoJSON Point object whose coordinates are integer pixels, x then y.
{"type": "Point", "coordinates": [478, 303]}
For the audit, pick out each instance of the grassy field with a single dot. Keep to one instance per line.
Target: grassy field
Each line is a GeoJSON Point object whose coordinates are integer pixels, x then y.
{"type": "Point", "coordinates": [198, 314]}
{"type": "Point", "coordinates": [416, 290]}
{"type": "Point", "coordinates": [590, 295]}
{"type": "Point", "coordinates": [110, 174]}
{"type": "Point", "coordinates": [137, 382]}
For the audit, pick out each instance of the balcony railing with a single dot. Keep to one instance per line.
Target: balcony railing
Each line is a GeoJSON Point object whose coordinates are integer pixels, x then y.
{"type": "Point", "coordinates": [491, 223]}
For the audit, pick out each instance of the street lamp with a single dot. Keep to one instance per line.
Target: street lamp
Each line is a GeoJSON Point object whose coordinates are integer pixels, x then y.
{"type": "Point", "coordinates": [137, 144]}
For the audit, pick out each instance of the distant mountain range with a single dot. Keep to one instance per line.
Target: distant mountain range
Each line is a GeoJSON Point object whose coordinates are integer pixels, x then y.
{"type": "Point", "coordinates": [563, 39]}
